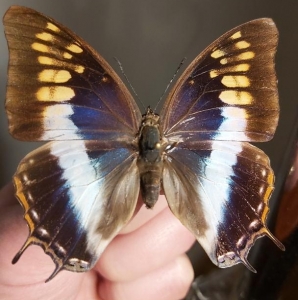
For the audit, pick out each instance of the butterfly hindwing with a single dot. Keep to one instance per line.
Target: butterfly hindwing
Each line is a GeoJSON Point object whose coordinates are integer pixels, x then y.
{"type": "Point", "coordinates": [89, 192]}
{"type": "Point", "coordinates": [229, 91]}
{"type": "Point", "coordinates": [59, 88]}
{"type": "Point", "coordinates": [220, 192]}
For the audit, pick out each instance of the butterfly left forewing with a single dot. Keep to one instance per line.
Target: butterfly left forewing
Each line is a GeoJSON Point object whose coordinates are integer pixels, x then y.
{"type": "Point", "coordinates": [58, 87]}
{"type": "Point", "coordinates": [216, 183]}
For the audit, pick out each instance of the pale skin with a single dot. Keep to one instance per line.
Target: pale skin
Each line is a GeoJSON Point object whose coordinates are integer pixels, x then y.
{"type": "Point", "coordinates": [145, 261]}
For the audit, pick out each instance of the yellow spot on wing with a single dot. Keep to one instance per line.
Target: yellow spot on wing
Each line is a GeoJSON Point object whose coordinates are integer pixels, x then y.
{"type": "Point", "coordinates": [55, 93]}
{"type": "Point", "coordinates": [67, 55]}
{"type": "Point", "coordinates": [236, 68]}
{"type": "Point", "coordinates": [52, 27]}
{"type": "Point", "coordinates": [45, 36]}
{"type": "Point", "coordinates": [213, 73]}
{"type": "Point", "coordinates": [236, 97]}
{"type": "Point", "coordinates": [56, 76]}
{"type": "Point", "coordinates": [40, 47]}
{"type": "Point", "coordinates": [45, 60]}
{"type": "Point", "coordinates": [246, 55]}
{"type": "Point", "coordinates": [240, 68]}
{"type": "Point", "coordinates": [235, 81]}
{"type": "Point", "coordinates": [74, 48]}
{"type": "Point", "coordinates": [223, 61]}
{"type": "Point", "coordinates": [79, 69]}
{"type": "Point", "coordinates": [217, 53]}
{"type": "Point", "coordinates": [242, 45]}
{"type": "Point", "coordinates": [46, 49]}
{"type": "Point", "coordinates": [236, 35]}
{"type": "Point", "coordinates": [242, 56]}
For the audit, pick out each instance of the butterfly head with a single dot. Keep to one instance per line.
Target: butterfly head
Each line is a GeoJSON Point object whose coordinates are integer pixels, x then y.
{"type": "Point", "coordinates": [150, 118]}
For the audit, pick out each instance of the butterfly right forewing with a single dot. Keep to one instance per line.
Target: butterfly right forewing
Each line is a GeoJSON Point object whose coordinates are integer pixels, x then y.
{"type": "Point", "coordinates": [229, 91]}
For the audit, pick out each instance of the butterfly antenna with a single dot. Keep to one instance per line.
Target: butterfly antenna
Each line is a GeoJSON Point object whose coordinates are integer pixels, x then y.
{"type": "Point", "coordinates": [169, 84]}
{"type": "Point", "coordinates": [127, 80]}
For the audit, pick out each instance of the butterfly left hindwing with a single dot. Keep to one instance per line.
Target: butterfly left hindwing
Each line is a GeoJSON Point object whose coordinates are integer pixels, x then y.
{"type": "Point", "coordinates": [77, 211]}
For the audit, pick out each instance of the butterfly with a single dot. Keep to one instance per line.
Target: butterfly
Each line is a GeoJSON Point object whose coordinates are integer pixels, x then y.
{"type": "Point", "coordinates": [81, 188]}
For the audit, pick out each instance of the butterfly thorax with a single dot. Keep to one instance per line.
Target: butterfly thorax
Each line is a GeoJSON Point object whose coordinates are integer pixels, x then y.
{"type": "Point", "coordinates": [150, 162]}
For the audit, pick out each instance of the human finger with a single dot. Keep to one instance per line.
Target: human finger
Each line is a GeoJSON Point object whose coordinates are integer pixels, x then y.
{"type": "Point", "coordinates": [153, 245]}
{"type": "Point", "coordinates": [170, 282]}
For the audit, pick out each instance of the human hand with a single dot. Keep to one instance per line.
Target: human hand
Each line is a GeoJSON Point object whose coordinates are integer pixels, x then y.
{"type": "Point", "coordinates": [145, 261]}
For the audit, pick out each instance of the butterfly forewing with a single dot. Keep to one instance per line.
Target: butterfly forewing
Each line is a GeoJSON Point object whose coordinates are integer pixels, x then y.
{"type": "Point", "coordinates": [59, 88]}
{"type": "Point", "coordinates": [217, 184]}
{"type": "Point", "coordinates": [229, 91]}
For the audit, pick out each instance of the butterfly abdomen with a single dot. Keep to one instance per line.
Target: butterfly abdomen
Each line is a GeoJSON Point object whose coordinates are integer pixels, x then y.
{"type": "Point", "coordinates": [150, 158]}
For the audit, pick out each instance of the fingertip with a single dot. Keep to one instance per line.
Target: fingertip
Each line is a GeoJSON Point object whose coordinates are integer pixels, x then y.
{"type": "Point", "coordinates": [169, 282]}
{"type": "Point", "coordinates": [159, 242]}
{"type": "Point", "coordinates": [186, 272]}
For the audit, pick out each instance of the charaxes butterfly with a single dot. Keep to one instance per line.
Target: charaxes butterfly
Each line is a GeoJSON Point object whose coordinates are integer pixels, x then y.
{"type": "Point", "coordinates": [82, 187]}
